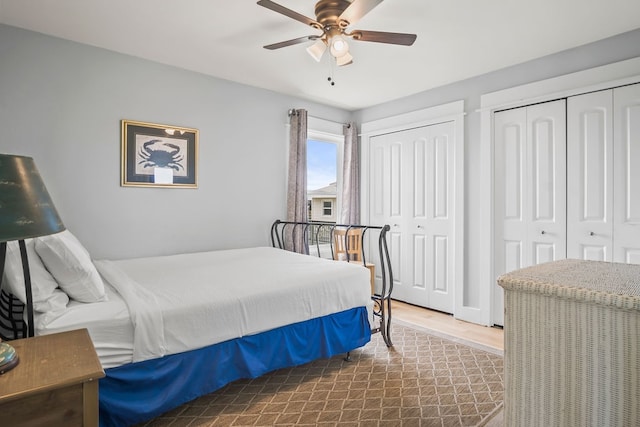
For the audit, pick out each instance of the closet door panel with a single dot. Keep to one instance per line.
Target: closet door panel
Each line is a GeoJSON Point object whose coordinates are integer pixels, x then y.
{"type": "Point", "coordinates": [594, 253]}
{"type": "Point", "coordinates": [593, 157]}
{"type": "Point", "coordinates": [546, 126]}
{"type": "Point", "coordinates": [512, 255]}
{"type": "Point", "coordinates": [510, 240]}
{"type": "Point", "coordinates": [441, 154]}
{"type": "Point", "coordinates": [510, 159]}
{"type": "Point", "coordinates": [438, 224]}
{"type": "Point", "coordinates": [386, 201]}
{"type": "Point", "coordinates": [420, 178]}
{"type": "Point", "coordinates": [544, 252]}
{"type": "Point", "coordinates": [417, 284]}
{"type": "Point", "coordinates": [626, 238]}
{"type": "Point", "coordinates": [440, 272]}
{"type": "Point", "coordinates": [419, 280]}
{"type": "Point", "coordinates": [395, 180]}
{"type": "Point", "coordinates": [543, 171]}
{"type": "Point", "coordinates": [379, 182]}
{"type": "Point", "coordinates": [631, 255]}
{"type": "Point", "coordinates": [590, 176]}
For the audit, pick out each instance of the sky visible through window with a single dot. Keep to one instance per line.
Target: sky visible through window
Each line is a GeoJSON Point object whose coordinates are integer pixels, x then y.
{"type": "Point", "coordinates": [321, 164]}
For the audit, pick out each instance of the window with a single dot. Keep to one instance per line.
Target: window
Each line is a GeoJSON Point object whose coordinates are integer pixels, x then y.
{"type": "Point", "coordinates": [321, 164]}
{"type": "Point", "coordinates": [327, 208]}
{"type": "Point", "coordinates": [324, 169]}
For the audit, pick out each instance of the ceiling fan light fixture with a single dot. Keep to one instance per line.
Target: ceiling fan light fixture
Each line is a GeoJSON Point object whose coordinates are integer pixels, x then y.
{"type": "Point", "coordinates": [317, 49]}
{"type": "Point", "coordinates": [339, 46]}
{"type": "Point", "coordinates": [345, 59]}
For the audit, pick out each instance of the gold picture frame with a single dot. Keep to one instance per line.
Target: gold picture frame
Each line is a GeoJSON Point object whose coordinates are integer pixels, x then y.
{"type": "Point", "coordinates": [155, 155]}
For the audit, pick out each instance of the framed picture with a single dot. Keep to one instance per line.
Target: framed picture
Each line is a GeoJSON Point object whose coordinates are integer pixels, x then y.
{"type": "Point", "coordinates": [156, 155]}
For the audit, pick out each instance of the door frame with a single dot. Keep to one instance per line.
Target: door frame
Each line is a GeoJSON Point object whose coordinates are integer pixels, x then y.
{"type": "Point", "coordinates": [594, 79]}
{"type": "Point", "coordinates": [450, 112]}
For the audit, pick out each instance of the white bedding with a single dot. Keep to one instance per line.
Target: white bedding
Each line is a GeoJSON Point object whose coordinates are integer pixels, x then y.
{"type": "Point", "coordinates": [108, 322]}
{"type": "Point", "coordinates": [182, 302]}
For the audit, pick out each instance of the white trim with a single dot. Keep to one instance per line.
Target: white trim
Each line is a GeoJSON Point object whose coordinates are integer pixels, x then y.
{"type": "Point", "coordinates": [467, 313]}
{"type": "Point", "coordinates": [323, 126]}
{"type": "Point", "coordinates": [418, 118]}
{"type": "Point", "coordinates": [324, 136]}
{"type": "Point", "coordinates": [453, 111]}
{"type": "Point", "coordinates": [598, 78]}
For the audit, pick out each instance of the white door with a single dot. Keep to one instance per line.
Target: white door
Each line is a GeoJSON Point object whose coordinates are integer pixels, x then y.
{"type": "Point", "coordinates": [510, 171]}
{"type": "Point", "coordinates": [530, 189]}
{"type": "Point", "coordinates": [386, 205]}
{"type": "Point", "coordinates": [590, 176]}
{"type": "Point", "coordinates": [626, 213]}
{"type": "Point", "coordinates": [412, 176]}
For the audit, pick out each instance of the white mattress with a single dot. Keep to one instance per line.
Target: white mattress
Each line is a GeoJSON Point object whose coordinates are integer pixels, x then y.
{"type": "Point", "coordinates": [170, 304]}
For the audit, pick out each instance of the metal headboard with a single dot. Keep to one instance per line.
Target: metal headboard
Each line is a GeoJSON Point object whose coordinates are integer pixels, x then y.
{"type": "Point", "coordinates": [285, 234]}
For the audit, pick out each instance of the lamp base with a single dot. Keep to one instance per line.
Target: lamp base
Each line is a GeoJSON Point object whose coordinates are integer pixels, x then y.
{"type": "Point", "coordinates": [8, 358]}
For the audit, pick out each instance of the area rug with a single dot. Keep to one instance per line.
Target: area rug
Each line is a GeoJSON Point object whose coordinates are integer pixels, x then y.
{"type": "Point", "coordinates": [425, 379]}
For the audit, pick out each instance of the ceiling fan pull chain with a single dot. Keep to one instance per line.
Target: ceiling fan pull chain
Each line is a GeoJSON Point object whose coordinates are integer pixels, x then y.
{"type": "Point", "coordinates": [331, 79]}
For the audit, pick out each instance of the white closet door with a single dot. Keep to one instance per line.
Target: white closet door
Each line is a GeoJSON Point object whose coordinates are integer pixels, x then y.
{"type": "Point", "coordinates": [547, 209]}
{"type": "Point", "coordinates": [626, 223]}
{"type": "Point", "coordinates": [511, 248]}
{"type": "Point", "coordinates": [530, 189]}
{"type": "Point", "coordinates": [412, 172]}
{"type": "Point", "coordinates": [590, 176]}
{"type": "Point", "coordinates": [386, 204]}
{"type": "Point", "coordinates": [432, 227]}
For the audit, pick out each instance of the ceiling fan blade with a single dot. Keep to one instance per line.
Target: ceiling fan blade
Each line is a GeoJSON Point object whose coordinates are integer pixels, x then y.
{"type": "Point", "coordinates": [291, 42]}
{"type": "Point", "coordinates": [290, 13]}
{"type": "Point", "coordinates": [383, 37]}
{"type": "Point", "coordinates": [357, 10]}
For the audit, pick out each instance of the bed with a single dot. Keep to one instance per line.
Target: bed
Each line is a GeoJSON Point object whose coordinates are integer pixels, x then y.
{"type": "Point", "coordinates": [169, 329]}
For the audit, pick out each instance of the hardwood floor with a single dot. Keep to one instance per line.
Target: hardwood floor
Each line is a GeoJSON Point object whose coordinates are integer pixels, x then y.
{"type": "Point", "coordinates": [445, 323]}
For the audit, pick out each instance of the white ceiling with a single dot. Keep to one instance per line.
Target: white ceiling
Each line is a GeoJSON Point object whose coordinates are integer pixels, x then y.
{"type": "Point", "coordinates": [457, 39]}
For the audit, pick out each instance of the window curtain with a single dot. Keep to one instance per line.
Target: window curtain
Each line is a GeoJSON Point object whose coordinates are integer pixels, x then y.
{"type": "Point", "coordinates": [297, 180]}
{"type": "Point", "coordinates": [350, 213]}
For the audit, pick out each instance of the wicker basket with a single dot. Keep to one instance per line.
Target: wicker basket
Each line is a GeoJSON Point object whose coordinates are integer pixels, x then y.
{"type": "Point", "coordinates": [572, 344]}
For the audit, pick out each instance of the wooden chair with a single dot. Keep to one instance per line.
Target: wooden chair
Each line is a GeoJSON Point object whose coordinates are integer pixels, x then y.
{"type": "Point", "coordinates": [347, 245]}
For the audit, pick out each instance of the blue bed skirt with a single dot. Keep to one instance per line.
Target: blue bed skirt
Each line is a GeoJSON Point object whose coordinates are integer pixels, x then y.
{"type": "Point", "coordinates": [138, 392]}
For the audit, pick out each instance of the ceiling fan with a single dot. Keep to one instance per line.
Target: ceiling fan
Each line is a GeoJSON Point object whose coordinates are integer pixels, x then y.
{"type": "Point", "coordinates": [332, 18]}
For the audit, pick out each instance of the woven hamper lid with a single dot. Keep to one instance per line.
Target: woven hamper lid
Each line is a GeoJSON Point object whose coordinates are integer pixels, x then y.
{"type": "Point", "coordinates": [606, 283]}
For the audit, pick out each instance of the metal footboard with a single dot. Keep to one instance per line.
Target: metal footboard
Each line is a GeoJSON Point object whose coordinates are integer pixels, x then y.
{"type": "Point", "coordinates": [312, 235]}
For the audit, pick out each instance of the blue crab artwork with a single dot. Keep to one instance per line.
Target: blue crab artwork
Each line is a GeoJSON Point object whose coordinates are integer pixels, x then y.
{"type": "Point", "coordinates": [160, 158]}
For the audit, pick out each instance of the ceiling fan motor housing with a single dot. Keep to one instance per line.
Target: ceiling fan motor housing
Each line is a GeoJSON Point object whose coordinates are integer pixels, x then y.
{"type": "Point", "coordinates": [328, 11]}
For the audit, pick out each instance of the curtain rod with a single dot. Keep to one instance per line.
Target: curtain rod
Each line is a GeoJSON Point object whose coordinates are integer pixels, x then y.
{"type": "Point", "coordinates": [293, 111]}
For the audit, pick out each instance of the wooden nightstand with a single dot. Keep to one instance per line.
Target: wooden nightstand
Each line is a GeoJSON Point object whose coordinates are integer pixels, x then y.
{"type": "Point", "coordinates": [55, 383]}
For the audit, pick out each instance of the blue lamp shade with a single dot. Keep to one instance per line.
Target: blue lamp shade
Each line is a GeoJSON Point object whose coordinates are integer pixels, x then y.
{"type": "Point", "coordinates": [26, 210]}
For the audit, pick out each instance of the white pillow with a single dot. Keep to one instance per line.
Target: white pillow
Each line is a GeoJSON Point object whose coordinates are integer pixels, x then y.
{"type": "Point", "coordinates": [70, 263]}
{"type": "Point", "coordinates": [47, 298]}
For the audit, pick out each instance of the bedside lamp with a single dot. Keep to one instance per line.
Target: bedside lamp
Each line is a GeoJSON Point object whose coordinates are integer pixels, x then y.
{"type": "Point", "coordinates": [26, 211]}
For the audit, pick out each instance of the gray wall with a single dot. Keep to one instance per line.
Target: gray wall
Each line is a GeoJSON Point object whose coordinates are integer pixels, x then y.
{"type": "Point", "coordinates": [62, 102]}
{"type": "Point", "coordinates": [614, 49]}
